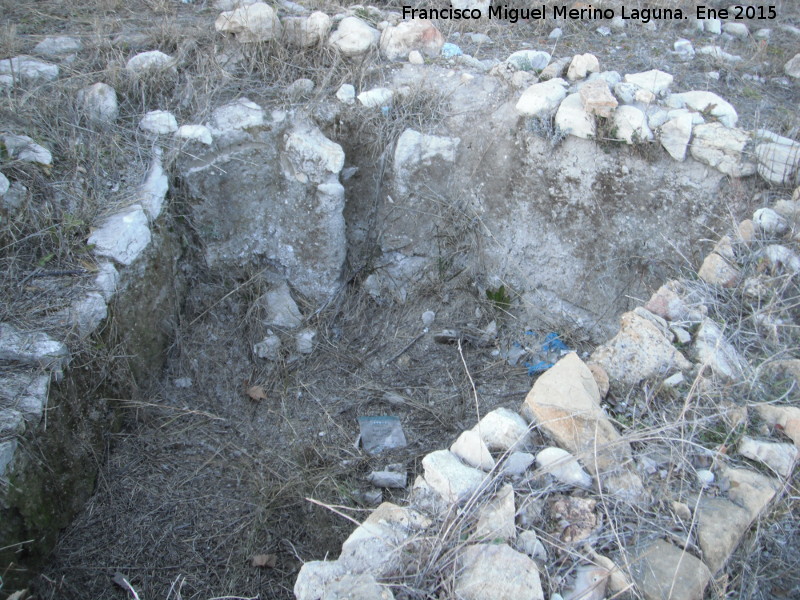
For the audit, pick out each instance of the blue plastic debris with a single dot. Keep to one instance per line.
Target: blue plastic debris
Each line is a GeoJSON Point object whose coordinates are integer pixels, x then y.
{"type": "Point", "coordinates": [450, 50]}
{"type": "Point", "coordinates": [552, 343]}
{"type": "Point", "coordinates": [538, 367]}
{"type": "Point", "coordinates": [385, 110]}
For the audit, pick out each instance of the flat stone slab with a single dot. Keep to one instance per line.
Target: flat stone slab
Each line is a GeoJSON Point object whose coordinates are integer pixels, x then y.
{"type": "Point", "coordinates": [665, 572]}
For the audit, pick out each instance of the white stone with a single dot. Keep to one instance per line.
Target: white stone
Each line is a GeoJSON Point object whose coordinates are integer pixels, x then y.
{"type": "Point", "coordinates": [239, 114]}
{"type": "Point", "coordinates": [542, 98]}
{"type": "Point", "coordinates": [106, 280]}
{"type": "Point", "coordinates": [555, 34]}
{"type": "Point", "coordinates": [779, 161]}
{"type": "Point", "coordinates": [4, 184]}
{"type": "Point", "coordinates": [354, 37]}
{"type": "Point", "coordinates": [496, 518]}
{"type": "Point", "coordinates": [778, 456]}
{"type": "Point", "coordinates": [309, 156]}
{"type": "Point", "coordinates": [159, 122]}
{"type": "Point", "coordinates": [346, 93]}
{"type": "Point", "coordinates": [31, 348]}
{"type": "Point", "coordinates": [503, 430]}
{"type": "Point", "coordinates": [195, 133]}
{"type": "Point", "coordinates": [631, 125]}
{"type": "Point", "coordinates": [122, 236]}
{"type": "Point", "coordinates": [676, 134]}
{"type": "Point", "coordinates": [428, 317]}
{"type": "Point", "coordinates": [582, 65]}
{"type": "Point", "coordinates": [780, 257]}
{"type": "Point", "coordinates": [739, 30]}
{"type": "Point", "coordinates": [722, 148]}
{"type": "Point", "coordinates": [706, 102]}
{"type": "Point", "coordinates": [713, 26]}
{"type": "Point", "coordinates": [85, 314]}
{"type": "Point", "coordinates": [563, 466]}
{"type": "Point", "coordinates": [280, 308]}
{"type": "Point", "coordinates": [417, 34]}
{"type": "Point", "coordinates": [684, 49]}
{"type": "Point", "coordinates": [572, 118]}
{"type": "Point", "coordinates": [529, 60]}
{"type": "Point", "coordinates": [153, 61]}
{"type": "Point", "coordinates": [719, 54]}
{"type": "Point", "coordinates": [256, 22]}
{"type": "Point", "coordinates": [769, 222]}
{"type": "Point", "coordinates": [716, 352]}
{"type": "Point", "coordinates": [415, 150]}
{"type": "Point", "coordinates": [58, 46]}
{"type": "Point", "coordinates": [376, 97]}
{"type": "Point", "coordinates": [7, 450]}
{"type": "Point", "coordinates": [269, 348]}
{"type": "Point", "coordinates": [763, 34]}
{"type": "Point", "coordinates": [25, 393]}
{"type": "Point", "coordinates": [517, 463]}
{"type": "Point", "coordinates": [304, 341]}
{"type": "Point", "coordinates": [449, 477]}
{"type": "Point", "coordinates": [306, 32]}
{"type": "Point", "coordinates": [99, 103]}
{"type": "Point", "coordinates": [21, 147]}
{"type": "Point", "coordinates": [28, 69]}
{"type": "Point", "coordinates": [153, 190]}
{"type": "Point", "coordinates": [674, 380]}
{"type": "Point", "coordinates": [470, 448]}
{"type": "Point", "coordinates": [654, 81]}
{"type": "Point", "coordinates": [496, 572]}
{"type": "Point", "coordinates": [415, 58]}
{"type": "Point", "coordinates": [792, 67]}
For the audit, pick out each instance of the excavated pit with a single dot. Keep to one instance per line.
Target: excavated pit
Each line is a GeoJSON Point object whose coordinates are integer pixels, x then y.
{"type": "Point", "coordinates": [224, 456]}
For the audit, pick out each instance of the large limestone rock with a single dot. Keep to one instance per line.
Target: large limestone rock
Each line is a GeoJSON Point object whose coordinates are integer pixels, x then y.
{"type": "Point", "coordinates": [718, 354]}
{"type": "Point", "coordinates": [496, 517]}
{"type": "Point", "coordinates": [496, 572]}
{"type": "Point", "coordinates": [786, 417]}
{"type": "Point", "coordinates": [722, 148]}
{"type": "Point", "coordinates": [21, 147]}
{"type": "Point", "coordinates": [31, 348]}
{"type": "Point", "coordinates": [27, 69]}
{"type": "Point", "coordinates": [706, 102]}
{"type": "Point", "coordinates": [631, 125]}
{"type": "Point", "coordinates": [675, 135]}
{"type": "Point", "coordinates": [122, 236]}
{"type": "Point", "coordinates": [256, 22]}
{"type": "Point", "coordinates": [654, 81]}
{"type": "Point", "coordinates": [305, 32]}
{"type": "Point", "coordinates": [354, 37]}
{"type": "Point", "coordinates": [151, 62]}
{"type": "Point", "coordinates": [573, 119]}
{"type": "Point", "coordinates": [663, 571]}
{"type": "Point", "coordinates": [542, 98]}
{"type": "Point", "coordinates": [720, 526]}
{"type": "Point", "coordinates": [58, 46]}
{"type": "Point", "coordinates": [503, 430]}
{"type": "Point", "coordinates": [450, 478]}
{"type": "Point", "coordinates": [778, 456]}
{"type": "Point", "coordinates": [99, 103]}
{"type": "Point", "coordinates": [270, 194]}
{"type": "Point", "coordinates": [565, 402]}
{"type": "Point", "coordinates": [639, 351]}
{"type": "Point", "coordinates": [597, 98]}
{"type": "Point", "coordinates": [582, 65]}
{"type": "Point", "coordinates": [778, 159]}
{"type": "Point", "coordinates": [417, 34]}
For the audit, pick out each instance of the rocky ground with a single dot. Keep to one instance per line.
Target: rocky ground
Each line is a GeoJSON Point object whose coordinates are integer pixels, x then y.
{"type": "Point", "coordinates": [204, 488]}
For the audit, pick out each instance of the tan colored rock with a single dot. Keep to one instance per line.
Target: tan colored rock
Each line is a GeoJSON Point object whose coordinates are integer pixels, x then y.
{"type": "Point", "coordinates": [663, 571]}
{"type": "Point", "coordinates": [597, 98]}
{"type": "Point", "coordinates": [617, 581]}
{"type": "Point", "coordinates": [722, 148]}
{"type": "Point", "coordinates": [750, 489]}
{"type": "Point", "coordinates": [565, 402]}
{"type": "Point", "coordinates": [715, 270]}
{"type": "Point", "coordinates": [746, 231]}
{"type": "Point", "coordinates": [778, 456]}
{"type": "Point", "coordinates": [357, 587]}
{"type": "Point", "coordinates": [720, 526]}
{"type": "Point", "coordinates": [469, 447]}
{"type": "Point", "coordinates": [574, 518]}
{"type": "Point", "coordinates": [416, 34]}
{"type": "Point", "coordinates": [572, 119]}
{"type": "Point", "coordinates": [639, 351]}
{"type": "Point", "coordinates": [670, 302]}
{"type": "Point", "coordinates": [253, 23]}
{"type": "Point", "coordinates": [496, 518]}
{"type": "Point", "coordinates": [305, 32]}
{"type": "Point", "coordinates": [496, 572]}
{"type": "Point", "coordinates": [600, 378]}
{"type": "Point", "coordinates": [590, 583]}
{"type": "Point", "coordinates": [354, 37]}
{"type": "Point", "coordinates": [582, 65]}
{"type": "Point", "coordinates": [785, 417]}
